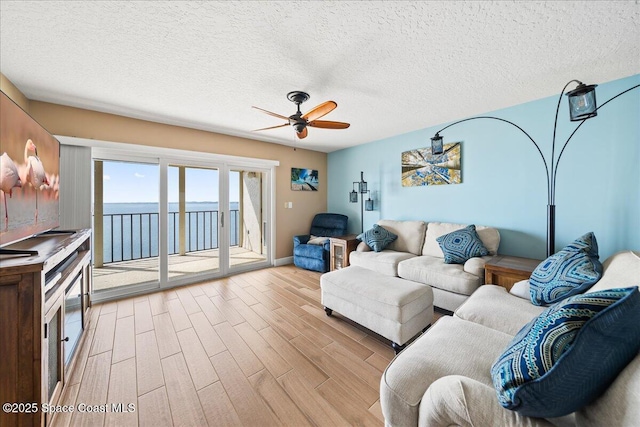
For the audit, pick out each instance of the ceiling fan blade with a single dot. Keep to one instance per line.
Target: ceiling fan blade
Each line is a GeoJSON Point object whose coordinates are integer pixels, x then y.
{"type": "Point", "coordinates": [272, 127]}
{"type": "Point", "coordinates": [303, 134]}
{"type": "Point", "coordinates": [272, 114]}
{"type": "Point", "coordinates": [320, 110]}
{"type": "Point", "coordinates": [326, 124]}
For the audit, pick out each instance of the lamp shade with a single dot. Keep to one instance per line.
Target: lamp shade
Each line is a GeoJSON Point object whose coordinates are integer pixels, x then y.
{"type": "Point", "coordinates": [436, 144]}
{"type": "Point", "coordinates": [368, 205]}
{"type": "Point", "coordinates": [353, 196]}
{"type": "Point", "coordinates": [582, 102]}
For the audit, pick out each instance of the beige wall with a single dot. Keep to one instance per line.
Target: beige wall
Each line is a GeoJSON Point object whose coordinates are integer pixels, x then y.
{"type": "Point", "coordinates": [14, 93]}
{"type": "Point", "coordinates": [68, 121]}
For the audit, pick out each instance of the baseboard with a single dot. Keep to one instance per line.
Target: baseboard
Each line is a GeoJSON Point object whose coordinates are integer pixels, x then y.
{"type": "Point", "coordinates": [283, 261]}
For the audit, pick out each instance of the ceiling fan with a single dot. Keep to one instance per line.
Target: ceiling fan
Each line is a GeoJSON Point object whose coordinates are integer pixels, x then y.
{"type": "Point", "coordinates": [300, 121]}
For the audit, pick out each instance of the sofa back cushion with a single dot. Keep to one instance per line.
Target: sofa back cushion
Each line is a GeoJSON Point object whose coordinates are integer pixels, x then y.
{"type": "Point", "coordinates": [410, 235]}
{"type": "Point", "coordinates": [619, 270]}
{"type": "Point", "coordinates": [489, 236]}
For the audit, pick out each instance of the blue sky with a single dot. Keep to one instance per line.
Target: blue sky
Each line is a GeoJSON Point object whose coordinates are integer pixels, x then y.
{"type": "Point", "coordinates": [140, 183]}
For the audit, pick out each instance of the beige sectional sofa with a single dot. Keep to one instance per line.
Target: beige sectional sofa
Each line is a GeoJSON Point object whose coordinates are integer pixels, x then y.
{"type": "Point", "coordinates": [443, 378]}
{"type": "Point", "coordinates": [416, 256]}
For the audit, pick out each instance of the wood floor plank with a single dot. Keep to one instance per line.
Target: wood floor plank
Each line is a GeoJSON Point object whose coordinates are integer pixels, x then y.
{"type": "Point", "coordinates": [223, 290]}
{"type": "Point", "coordinates": [125, 308]}
{"type": "Point", "coordinates": [165, 335]}
{"type": "Point", "coordinates": [230, 314]}
{"type": "Point", "coordinates": [158, 303]}
{"type": "Point", "coordinates": [187, 300]}
{"type": "Point", "coordinates": [278, 400]}
{"type": "Point", "coordinates": [148, 367]}
{"type": "Point", "coordinates": [202, 373]}
{"type": "Point", "coordinates": [267, 355]}
{"type": "Point", "coordinates": [310, 299]}
{"type": "Point", "coordinates": [94, 314]}
{"type": "Point", "coordinates": [262, 298]}
{"type": "Point", "coordinates": [183, 398]}
{"type": "Point", "coordinates": [337, 371]}
{"type": "Point", "coordinates": [171, 294]}
{"type": "Point", "coordinates": [123, 391]}
{"type": "Point", "coordinates": [288, 304]}
{"type": "Point", "coordinates": [318, 410]}
{"type": "Point", "coordinates": [210, 310]}
{"type": "Point", "coordinates": [218, 407]}
{"type": "Point", "coordinates": [94, 388]}
{"type": "Point", "coordinates": [124, 343]}
{"type": "Point", "coordinates": [256, 281]}
{"type": "Point", "coordinates": [103, 338]}
{"type": "Point", "coordinates": [378, 362]}
{"type": "Point", "coordinates": [196, 290]}
{"type": "Point", "coordinates": [250, 316]}
{"type": "Point", "coordinates": [280, 289]}
{"type": "Point", "coordinates": [246, 297]}
{"type": "Point", "coordinates": [305, 328]}
{"type": "Point", "coordinates": [81, 358]}
{"type": "Point", "coordinates": [384, 350]}
{"type": "Point", "coordinates": [376, 410]}
{"type": "Point", "coordinates": [153, 409]}
{"type": "Point", "coordinates": [109, 307]}
{"type": "Point", "coordinates": [277, 322]}
{"type": "Point", "coordinates": [63, 419]}
{"type": "Point", "coordinates": [249, 406]}
{"type": "Point", "coordinates": [179, 317]}
{"type": "Point", "coordinates": [244, 357]}
{"type": "Point", "coordinates": [347, 404]}
{"type": "Point", "coordinates": [142, 312]}
{"type": "Point", "coordinates": [209, 290]}
{"type": "Point", "coordinates": [353, 345]}
{"type": "Point", "coordinates": [365, 371]}
{"type": "Point", "coordinates": [209, 338]}
{"type": "Point", "coordinates": [312, 375]}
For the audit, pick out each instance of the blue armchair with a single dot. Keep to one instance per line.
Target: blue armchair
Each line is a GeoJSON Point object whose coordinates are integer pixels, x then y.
{"type": "Point", "coordinates": [316, 257]}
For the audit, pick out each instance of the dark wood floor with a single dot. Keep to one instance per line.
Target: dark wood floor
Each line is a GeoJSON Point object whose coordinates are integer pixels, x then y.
{"type": "Point", "coordinates": [252, 349]}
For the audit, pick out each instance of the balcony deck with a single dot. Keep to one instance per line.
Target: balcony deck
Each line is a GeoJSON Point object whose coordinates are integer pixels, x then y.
{"type": "Point", "coordinates": [132, 272]}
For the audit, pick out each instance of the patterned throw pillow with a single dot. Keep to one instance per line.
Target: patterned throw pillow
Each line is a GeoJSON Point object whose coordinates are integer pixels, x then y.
{"type": "Point", "coordinates": [377, 238]}
{"type": "Point", "coordinates": [461, 245]}
{"type": "Point", "coordinates": [568, 355]}
{"type": "Point", "coordinates": [571, 271]}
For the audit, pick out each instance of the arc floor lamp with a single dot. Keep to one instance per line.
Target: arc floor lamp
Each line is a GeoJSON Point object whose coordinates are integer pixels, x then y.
{"type": "Point", "coordinates": [582, 106]}
{"type": "Point", "coordinates": [365, 205]}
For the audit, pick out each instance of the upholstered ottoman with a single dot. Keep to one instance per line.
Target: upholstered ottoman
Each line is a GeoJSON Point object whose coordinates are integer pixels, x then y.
{"type": "Point", "coordinates": [395, 308]}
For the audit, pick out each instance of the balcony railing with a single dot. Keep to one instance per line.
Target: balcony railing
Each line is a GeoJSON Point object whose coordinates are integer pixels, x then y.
{"type": "Point", "coordinates": [130, 236]}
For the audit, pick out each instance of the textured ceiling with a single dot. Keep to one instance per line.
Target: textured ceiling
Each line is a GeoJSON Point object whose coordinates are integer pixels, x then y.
{"type": "Point", "coordinates": [392, 67]}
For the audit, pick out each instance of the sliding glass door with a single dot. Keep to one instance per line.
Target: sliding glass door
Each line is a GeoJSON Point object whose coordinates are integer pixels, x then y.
{"type": "Point", "coordinates": [175, 221]}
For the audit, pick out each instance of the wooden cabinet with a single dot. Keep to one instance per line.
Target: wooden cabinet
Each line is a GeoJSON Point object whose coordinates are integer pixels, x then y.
{"type": "Point", "coordinates": [340, 248]}
{"type": "Point", "coordinates": [505, 270]}
{"type": "Point", "coordinates": [35, 294]}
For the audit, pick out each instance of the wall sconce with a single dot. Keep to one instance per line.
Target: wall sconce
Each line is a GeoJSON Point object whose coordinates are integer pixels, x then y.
{"type": "Point", "coordinates": [365, 205]}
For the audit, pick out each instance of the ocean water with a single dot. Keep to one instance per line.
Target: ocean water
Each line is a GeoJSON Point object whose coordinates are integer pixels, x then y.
{"type": "Point", "coordinates": [131, 229]}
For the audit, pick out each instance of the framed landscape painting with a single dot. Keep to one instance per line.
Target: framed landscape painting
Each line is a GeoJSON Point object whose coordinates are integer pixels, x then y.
{"type": "Point", "coordinates": [421, 167]}
{"type": "Point", "coordinates": [304, 179]}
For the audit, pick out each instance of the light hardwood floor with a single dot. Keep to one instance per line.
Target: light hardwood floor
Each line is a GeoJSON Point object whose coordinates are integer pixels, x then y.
{"type": "Point", "coordinates": [255, 349]}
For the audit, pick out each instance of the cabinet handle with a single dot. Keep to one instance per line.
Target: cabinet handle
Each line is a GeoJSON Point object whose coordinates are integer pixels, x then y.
{"type": "Point", "coordinates": [65, 340]}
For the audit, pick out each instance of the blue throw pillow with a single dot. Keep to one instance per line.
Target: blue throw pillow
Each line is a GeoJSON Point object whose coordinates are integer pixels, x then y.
{"type": "Point", "coordinates": [571, 271]}
{"type": "Point", "coordinates": [460, 245]}
{"type": "Point", "coordinates": [377, 238]}
{"type": "Point", "coordinates": [568, 356]}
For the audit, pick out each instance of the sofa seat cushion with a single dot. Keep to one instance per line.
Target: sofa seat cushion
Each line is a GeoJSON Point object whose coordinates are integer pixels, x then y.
{"type": "Point", "coordinates": [434, 272]}
{"type": "Point", "coordinates": [620, 270]}
{"type": "Point", "coordinates": [492, 306]}
{"type": "Point", "coordinates": [384, 262]}
{"type": "Point", "coordinates": [451, 346]}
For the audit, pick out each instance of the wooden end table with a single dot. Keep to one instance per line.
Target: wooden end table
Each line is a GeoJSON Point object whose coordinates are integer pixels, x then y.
{"type": "Point", "coordinates": [341, 247]}
{"type": "Point", "coordinates": [506, 270]}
